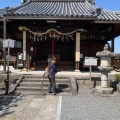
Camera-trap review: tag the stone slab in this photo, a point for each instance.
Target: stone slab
(29, 114)
(51, 99)
(101, 90)
(48, 109)
(47, 112)
(36, 103)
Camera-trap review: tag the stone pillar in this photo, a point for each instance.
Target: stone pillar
(77, 52)
(112, 45)
(24, 51)
(106, 65)
(104, 80)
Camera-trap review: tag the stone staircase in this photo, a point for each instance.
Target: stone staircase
(32, 85)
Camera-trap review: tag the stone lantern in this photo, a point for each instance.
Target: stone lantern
(104, 68)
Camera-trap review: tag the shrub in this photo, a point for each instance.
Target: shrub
(117, 77)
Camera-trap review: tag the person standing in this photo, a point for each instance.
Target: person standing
(51, 76)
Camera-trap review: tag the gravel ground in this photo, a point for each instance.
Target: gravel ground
(84, 106)
(87, 106)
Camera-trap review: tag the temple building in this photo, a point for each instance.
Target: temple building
(66, 29)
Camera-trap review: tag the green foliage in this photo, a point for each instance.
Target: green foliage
(117, 77)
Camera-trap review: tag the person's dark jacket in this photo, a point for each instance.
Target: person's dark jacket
(52, 69)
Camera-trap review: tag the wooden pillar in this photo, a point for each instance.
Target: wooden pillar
(24, 51)
(53, 44)
(4, 49)
(77, 52)
(112, 45)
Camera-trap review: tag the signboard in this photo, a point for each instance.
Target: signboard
(8, 43)
(89, 61)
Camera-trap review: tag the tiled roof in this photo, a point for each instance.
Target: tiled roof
(54, 9)
(62, 9)
(109, 15)
(91, 1)
(2, 11)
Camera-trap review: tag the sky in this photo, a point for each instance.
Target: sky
(106, 4)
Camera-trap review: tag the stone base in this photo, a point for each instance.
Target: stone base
(101, 90)
(24, 70)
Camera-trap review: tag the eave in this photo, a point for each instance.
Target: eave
(48, 18)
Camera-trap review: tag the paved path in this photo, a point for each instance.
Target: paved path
(33, 108)
(84, 106)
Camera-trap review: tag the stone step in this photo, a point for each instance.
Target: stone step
(41, 76)
(44, 77)
(39, 84)
(32, 84)
(28, 88)
(45, 80)
(40, 93)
